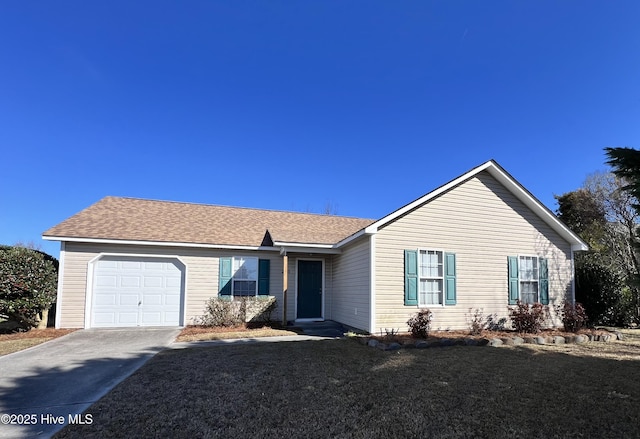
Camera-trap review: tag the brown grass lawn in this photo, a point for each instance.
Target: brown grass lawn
(18, 341)
(200, 333)
(340, 388)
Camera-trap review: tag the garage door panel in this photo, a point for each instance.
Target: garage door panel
(173, 282)
(130, 265)
(130, 281)
(152, 300)
(152, 318)
(153, 281)
(107, 264)
(128, 299)
(127, 318)
(104, 319)
(172, 300)
(106, 299)
(107, 281)
(136, 292)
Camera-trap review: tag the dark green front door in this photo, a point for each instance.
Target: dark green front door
(309, 290)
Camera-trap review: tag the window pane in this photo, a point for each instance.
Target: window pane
(244, 288)
(529, 292)
(431, 264)
(430, 292)
(528, 268)
(245, 268)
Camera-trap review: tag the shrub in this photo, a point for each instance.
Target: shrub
(420, 323)
(602, 291)
(574, 317)
(528, 318)
(28, 284)
(478, 322)
(222, 311)
(494, 323)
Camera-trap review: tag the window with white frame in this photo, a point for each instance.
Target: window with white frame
(529, 279)
(431, 277)
(245, 276)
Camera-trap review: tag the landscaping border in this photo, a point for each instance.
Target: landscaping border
(491, 341)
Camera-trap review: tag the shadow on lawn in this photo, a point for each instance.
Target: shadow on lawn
(339, 388)
(50, 397)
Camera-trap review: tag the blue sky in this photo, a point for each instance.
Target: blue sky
(296, 105)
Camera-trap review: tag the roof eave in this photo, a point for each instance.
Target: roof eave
(299, 247)
(157, 243)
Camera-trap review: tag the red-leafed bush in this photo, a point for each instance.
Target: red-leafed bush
(574, 317)
(528, 318)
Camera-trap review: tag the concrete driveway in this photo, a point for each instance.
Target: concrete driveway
(47, 387)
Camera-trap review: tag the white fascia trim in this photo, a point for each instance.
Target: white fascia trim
(324, 251)
(298, 244)
(307, 248)
(159, 244)
(355, 236)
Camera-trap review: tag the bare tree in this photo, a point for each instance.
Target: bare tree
(622, 220)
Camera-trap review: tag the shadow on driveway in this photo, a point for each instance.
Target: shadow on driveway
(44, 388)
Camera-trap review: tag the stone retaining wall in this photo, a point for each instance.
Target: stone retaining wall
(502, 341)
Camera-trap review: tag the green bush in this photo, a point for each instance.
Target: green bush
(420, 323)
(528, 318)
(602, 291)
(28, 284)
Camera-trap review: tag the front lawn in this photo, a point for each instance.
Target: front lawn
(202, 333)
(340, 388)
(18, 341)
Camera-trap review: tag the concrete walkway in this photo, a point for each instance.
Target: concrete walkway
(50, 385)
(327, 328)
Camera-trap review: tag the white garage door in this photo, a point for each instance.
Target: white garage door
(136, 292)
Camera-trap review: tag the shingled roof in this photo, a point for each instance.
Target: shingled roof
(132, 219)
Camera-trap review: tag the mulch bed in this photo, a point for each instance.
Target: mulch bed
(36, 333)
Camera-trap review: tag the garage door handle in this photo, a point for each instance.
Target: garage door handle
(140, 303)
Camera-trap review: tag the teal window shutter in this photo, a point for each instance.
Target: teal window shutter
(543, 277)
(263, 277)
(410, 277)
(514, 282)
(450, 278)
(224, 278)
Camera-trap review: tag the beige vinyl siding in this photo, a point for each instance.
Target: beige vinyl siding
(482, 223)
(201, 277)
(350, 303)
